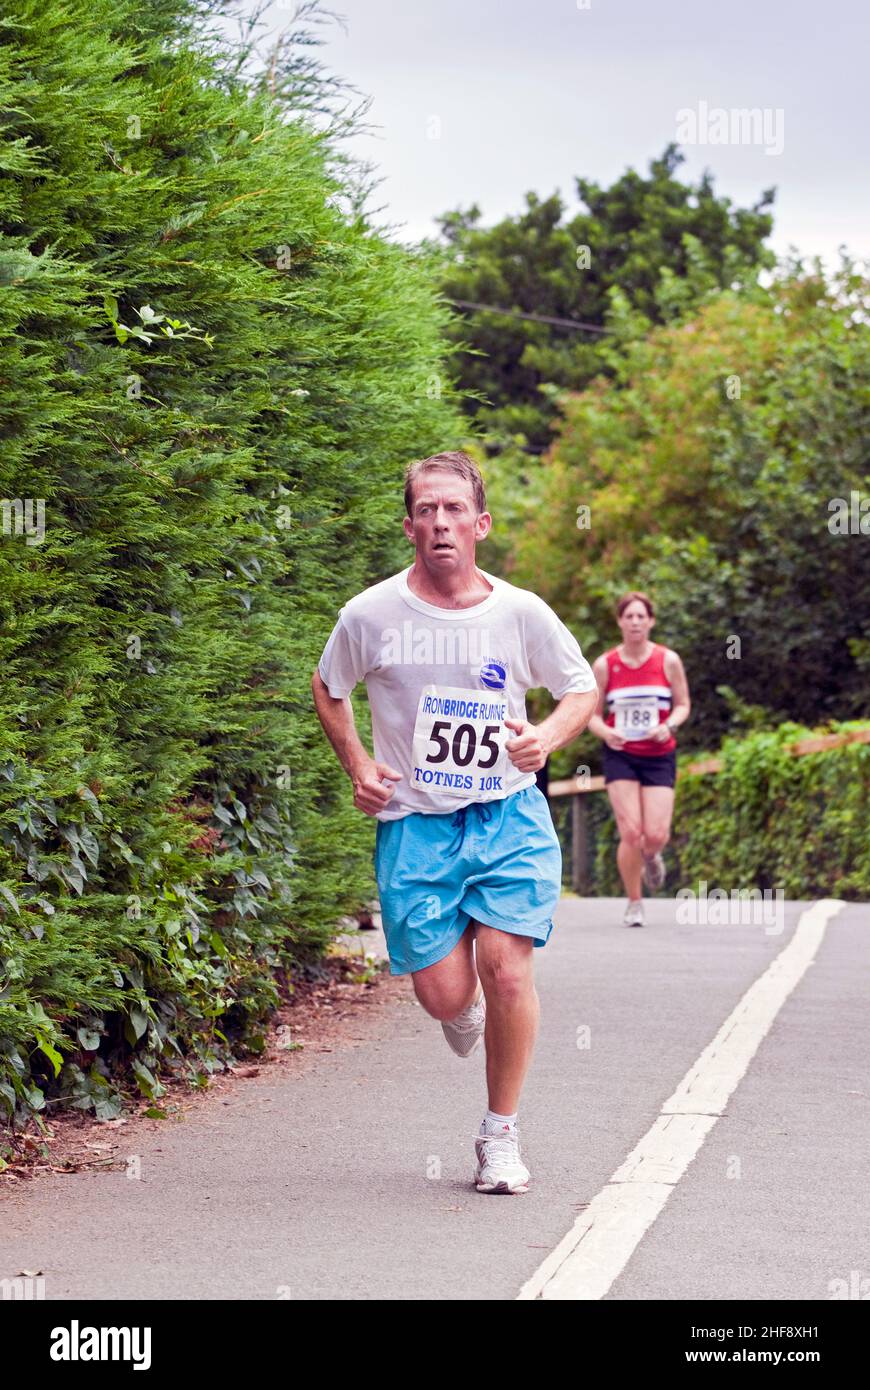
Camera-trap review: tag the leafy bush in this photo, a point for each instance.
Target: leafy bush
(212, 377)
(767, 820)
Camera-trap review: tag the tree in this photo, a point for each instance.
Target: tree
(654, 245)
(710, 467)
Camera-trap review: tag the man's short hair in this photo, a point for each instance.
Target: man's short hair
(453, 461)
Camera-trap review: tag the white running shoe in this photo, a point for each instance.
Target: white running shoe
(634, 914)
(499, 1168)
(653, 871)
(465, 1031)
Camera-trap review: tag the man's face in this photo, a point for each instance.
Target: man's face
(445, 525)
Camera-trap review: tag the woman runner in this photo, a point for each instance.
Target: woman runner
(644, 689)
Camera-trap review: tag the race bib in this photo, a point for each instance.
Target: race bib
(459, 742)
(635, 718)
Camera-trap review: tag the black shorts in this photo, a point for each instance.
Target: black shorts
(651, 770)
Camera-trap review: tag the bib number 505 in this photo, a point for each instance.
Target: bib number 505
(464, 744)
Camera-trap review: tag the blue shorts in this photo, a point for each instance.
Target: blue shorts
(496, 862)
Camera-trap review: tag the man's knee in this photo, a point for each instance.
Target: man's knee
(447, 987)
(442, 1006)
(504, 963)
(442, 1000)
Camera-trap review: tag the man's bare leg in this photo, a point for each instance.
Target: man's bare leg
(506, 970)
(450, 985)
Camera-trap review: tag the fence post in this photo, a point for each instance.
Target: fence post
(579, 845)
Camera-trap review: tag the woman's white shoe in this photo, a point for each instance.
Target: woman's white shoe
(653, 871)
(633, 915)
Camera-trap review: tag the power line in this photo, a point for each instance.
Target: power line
(537, 318)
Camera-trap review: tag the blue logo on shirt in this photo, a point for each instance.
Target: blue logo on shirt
(493, 676)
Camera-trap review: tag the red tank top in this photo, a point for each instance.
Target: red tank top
(637, 698)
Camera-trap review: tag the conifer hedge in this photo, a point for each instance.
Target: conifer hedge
(211, 377)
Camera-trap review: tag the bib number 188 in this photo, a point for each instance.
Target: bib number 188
(635, 718)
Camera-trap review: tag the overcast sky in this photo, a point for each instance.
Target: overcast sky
(482, 100)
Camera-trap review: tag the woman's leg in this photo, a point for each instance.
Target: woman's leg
(657, 809)
(624, 797)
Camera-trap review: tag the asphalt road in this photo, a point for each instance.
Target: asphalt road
(351, 1179)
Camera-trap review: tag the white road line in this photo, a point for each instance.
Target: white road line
(603, 1239)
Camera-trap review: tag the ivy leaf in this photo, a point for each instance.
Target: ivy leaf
(135, 1024)
(219, 945)
(35, 1097)
(71, 834)
(107, 1107)
(72, 879)
(10, 898)
(90, 844)
(51, 1053)
(38, 869)
(150, 1087)
(87, 795)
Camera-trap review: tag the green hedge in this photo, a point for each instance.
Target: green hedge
(767, 820)
(212, 377)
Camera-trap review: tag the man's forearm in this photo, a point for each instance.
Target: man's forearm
(336, 716)
(568, 719)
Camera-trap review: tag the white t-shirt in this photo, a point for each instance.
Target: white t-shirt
(441, 681)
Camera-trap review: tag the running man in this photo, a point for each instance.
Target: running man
(468, 865)
(645, 690)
